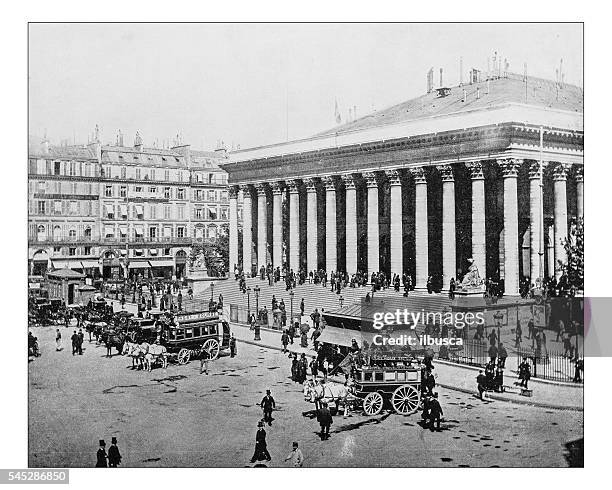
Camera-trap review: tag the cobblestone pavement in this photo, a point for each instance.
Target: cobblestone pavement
(179, 418)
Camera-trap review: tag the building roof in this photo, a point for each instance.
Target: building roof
(509, 89)
(72, 152)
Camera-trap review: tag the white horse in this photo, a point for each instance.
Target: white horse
(154, 354)
(136, 352)
(320, 392)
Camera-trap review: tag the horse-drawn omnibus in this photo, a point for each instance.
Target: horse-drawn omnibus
(187, 334)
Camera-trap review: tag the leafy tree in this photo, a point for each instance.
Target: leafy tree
(573, 268)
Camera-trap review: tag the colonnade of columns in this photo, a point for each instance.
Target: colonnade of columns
(270, 249)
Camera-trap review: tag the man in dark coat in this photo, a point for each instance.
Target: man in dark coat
(114, 456)
(435, 411)
(325, 420)
(267, 404)
(101, 455)
(232, 346)
(284, 341)
(481, 379)
(80, 342)
(261, 447)
(75, 342)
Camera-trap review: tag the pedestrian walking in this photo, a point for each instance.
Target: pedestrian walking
(101, 455)
(75, 342)
(284, 341)
(325, 420)
(204, 357)
(481, 380)
(80, 342)
(232, 346)
(435, 412)
(302, 307)
(261, 447)
(267, 405)
(503, 355)
(524, 373)
(114, 456)
(295, 456)
(58, 340)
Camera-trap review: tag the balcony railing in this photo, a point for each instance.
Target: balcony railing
(146, 239)
(82, 239)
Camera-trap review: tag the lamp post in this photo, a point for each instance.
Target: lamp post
(248, 290)
(291, 295)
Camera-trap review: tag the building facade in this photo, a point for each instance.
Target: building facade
(491, 171)
(123, 211)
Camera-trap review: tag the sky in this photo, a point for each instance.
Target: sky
(259, 84)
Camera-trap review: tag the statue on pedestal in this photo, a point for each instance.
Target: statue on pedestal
(472, 279)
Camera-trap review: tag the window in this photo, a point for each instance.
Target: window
(41, 207)
(198, 195)
(152, 173)
(180, 193)
(87, 232)
(40, 232)
(224, 213)
(180, 232)
(123, 172)
(180, 176)
(212, 213)
(107, 172)
(87, 170)
(87, 208)
(109, 231)
(58, 187)
(167, 192)
(137, 189)
(166, 212)
(89, 189)
(153, 211)
(72, 169)
(72, 251)
(110, 211)
(73, 207)
(57, 232)
(123, 191)
(152, 232)
(211, 196)
(75, 188)
(57, 250)
(138, 173)
(166, 251)
(224, 196)
(108, 191)
(152, 190)
(138, 232)
(72, 234)
(212, 232)
(42, 187)
(181, 212)
(166, 172)
(57, 207)
(87, 251)
(198, 213)
(56, 168)
(139, 211)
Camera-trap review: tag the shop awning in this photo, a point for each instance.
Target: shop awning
(139, 265)
(109, 209)
(339, 336)
(139, 209)
(70, 264)
(162, 263)
(153, 251)
(88, 264)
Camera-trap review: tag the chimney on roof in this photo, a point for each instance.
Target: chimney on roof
(119, 138)
(138, 141)
(430, 80)
(460, 71)
(441, 84)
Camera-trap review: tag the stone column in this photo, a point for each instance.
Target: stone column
(262, 226)
(421, 233)
(312, 239)
(449, 240)
(396, 228)
(294, 225)
(351, 223)
(247, 229)
(560, 189)
(479, 247)
(579, 175)
(233, 228)
(535, 217)
(331, 238)
(510, 168)
(373, 240)
(277, 225)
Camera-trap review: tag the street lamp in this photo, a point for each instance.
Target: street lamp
(248, 290)
(291, 295)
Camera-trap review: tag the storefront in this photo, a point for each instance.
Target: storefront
(162, 268)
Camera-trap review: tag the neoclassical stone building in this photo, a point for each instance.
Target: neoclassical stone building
(421, 187)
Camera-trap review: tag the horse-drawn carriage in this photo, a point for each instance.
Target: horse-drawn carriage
(379, 381)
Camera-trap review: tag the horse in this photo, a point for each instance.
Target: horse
(154, 354)
(319, 392)
(114, 339)
(137, 352)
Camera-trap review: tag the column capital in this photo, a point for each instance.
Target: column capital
(446, 172)
(510, 166)
(476, 170)
(349, 180)
(293, 185)
(534, 169)
(578, 172)
(277, 187)
(394, 176)
(560, 171)
(329, 182)
(233, 191)
(261, 189)
(418, 174)
(370, 179)
(311, 184)
(246, 189)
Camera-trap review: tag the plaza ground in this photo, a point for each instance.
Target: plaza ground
(179, 418)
